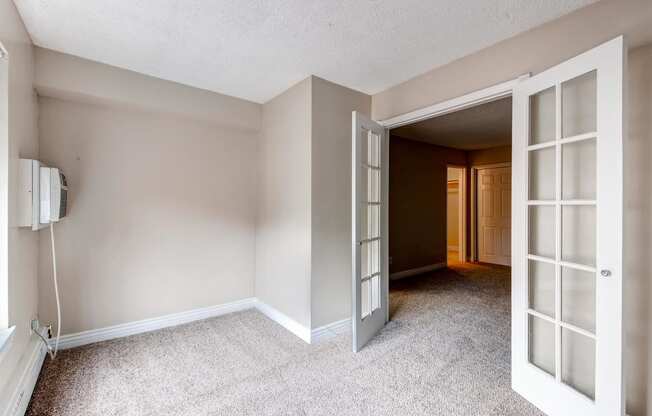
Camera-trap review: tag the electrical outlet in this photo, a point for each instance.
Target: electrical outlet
(390, 260)
(35, 325)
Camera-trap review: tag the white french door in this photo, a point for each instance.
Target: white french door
(370, 272)
(567, 289)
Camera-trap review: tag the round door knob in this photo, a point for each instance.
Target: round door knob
(605, 273)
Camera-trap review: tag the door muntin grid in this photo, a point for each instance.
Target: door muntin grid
(370, 216)
(561, 232)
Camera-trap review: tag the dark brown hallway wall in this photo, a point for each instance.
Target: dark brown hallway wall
(417, 202)
(417, 199)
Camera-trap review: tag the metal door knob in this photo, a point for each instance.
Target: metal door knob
(605, 273)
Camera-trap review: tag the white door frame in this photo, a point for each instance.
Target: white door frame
(462, 208)
(472, 99)
(474, 203)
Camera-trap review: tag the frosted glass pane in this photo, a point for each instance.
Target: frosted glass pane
(541, 287)
(364, 146)
(541, 231)
(373, 185)
(542, 116)
(375, 293)
(578, 234)
(579, 105)
(578, 362)
(375, 256)
(541, 344)
(578, 170)
(364, 183)
(365, 266)
(578, 298)
(371, 224)
(542, 174)
(365, 298)
(370, 258)
(373, 152)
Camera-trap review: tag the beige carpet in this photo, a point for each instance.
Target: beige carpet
(445, 352)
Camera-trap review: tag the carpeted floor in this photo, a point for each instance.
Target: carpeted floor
(445, 351)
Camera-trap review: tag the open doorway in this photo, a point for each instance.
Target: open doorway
(455, 214)
(449, 239)
(450, 190)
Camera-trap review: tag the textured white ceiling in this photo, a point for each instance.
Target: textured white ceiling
(480, 127)
(255, 49)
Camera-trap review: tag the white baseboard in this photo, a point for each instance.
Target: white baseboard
(413, 272)
(18, 399)
(330, 331)
(146, 325)
(285, 321)
(453, 248)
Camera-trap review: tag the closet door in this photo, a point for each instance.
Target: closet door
(495, 215)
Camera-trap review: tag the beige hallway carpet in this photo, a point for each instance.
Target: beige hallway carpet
(446, 351)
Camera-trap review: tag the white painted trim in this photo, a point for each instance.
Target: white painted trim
(6, 335)
(330, 331)
(493, 166)
(27, 377)
(453, 248)
(4, 189)
(417, 270)
(146, 325)
(485, 95)
(285, 321)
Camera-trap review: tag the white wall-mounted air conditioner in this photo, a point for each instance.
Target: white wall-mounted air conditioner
(42, 194)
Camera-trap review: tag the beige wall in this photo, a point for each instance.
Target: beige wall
(20, 267)
(489, 156)
(161, 214)
(417, 202)
(76, 79)
(532, 52)
(283, 202)
(331, 198)
(162, 198)
(303, 245)
(413, 163)
(638, 233)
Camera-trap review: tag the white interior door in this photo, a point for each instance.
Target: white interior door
(567, 289)
(370, 269)
(495, 215)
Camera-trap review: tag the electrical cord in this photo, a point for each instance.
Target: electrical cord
(53, 353)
